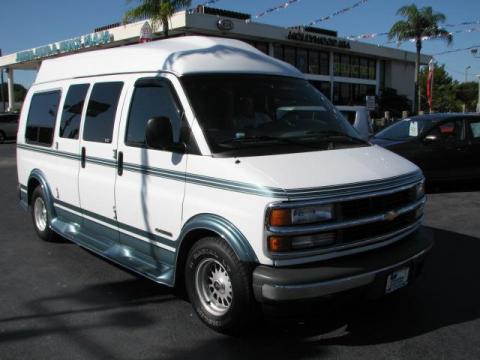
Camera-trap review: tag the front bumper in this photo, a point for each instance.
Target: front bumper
(311, 281)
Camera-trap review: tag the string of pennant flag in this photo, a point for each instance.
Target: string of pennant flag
(338, 12)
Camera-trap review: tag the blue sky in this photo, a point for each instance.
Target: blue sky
(30, 23)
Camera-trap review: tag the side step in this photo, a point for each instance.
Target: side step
(122, 255)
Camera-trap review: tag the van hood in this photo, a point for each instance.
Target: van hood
(314, 170)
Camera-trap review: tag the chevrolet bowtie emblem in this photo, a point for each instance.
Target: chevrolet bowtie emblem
(391, 215)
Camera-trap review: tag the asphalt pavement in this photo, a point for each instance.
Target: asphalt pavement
(58, 301)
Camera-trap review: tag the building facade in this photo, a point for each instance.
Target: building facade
(345, 71)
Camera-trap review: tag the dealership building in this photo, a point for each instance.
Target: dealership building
(345, 71)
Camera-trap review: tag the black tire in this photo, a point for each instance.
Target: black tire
(242, 309)
(2, 137)
(45, 233)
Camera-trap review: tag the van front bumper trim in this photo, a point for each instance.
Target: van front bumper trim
(273, 284)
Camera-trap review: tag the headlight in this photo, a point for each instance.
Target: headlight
(420, 189)
(301, 215)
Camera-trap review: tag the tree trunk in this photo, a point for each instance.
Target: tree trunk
(165, 26)
(418, 99)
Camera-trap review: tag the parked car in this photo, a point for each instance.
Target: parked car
(8, 126)
(202, 162)
(444, 146)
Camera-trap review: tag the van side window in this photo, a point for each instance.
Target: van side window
(153, 98)
(41, 118)
(101, 111)
(72, 111)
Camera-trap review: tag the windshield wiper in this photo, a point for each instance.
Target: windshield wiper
(261, 138)
(333, 133)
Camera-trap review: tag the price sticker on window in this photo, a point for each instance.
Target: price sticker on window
(413, 130)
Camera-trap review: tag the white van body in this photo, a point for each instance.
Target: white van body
(146, 208)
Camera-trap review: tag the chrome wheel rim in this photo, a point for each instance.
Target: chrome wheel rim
(213, 287)
(40, 214)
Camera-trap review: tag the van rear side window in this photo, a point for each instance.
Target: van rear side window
(101, 111)
(72, 111)
(41, 118)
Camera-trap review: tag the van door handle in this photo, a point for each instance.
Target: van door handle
(83, 157)
(120, 163)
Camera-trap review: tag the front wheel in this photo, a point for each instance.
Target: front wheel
(219, 286)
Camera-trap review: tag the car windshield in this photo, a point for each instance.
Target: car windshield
(404, 129)
(258, 115)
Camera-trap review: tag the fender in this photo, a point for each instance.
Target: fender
(41, 178)
(224, 228)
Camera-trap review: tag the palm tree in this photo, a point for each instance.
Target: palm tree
(418, 23)
(159, 11)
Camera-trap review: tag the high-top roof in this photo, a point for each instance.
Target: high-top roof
(180, 55)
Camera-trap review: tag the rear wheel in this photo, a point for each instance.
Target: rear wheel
(40, 215)
(219, 286)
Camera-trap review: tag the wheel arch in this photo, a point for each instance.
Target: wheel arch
(38, 178)
(204, 225)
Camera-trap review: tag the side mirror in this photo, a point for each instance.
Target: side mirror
(430, 138)
(159, 135)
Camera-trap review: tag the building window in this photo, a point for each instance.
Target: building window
(324, 63)
(289, 55)
(354, 67)
(72, 111)
(351, 94)
(278, 51)
(313, 62)
(302, 60)
(42, 117)
(322, 86)
(101, 111)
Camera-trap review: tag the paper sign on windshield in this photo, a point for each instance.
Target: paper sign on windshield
(413, 130)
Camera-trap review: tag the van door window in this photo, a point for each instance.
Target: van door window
(153, 98)
(41, 118)
(72, 111)
(101, 111)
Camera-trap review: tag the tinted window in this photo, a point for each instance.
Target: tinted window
(152, 98)
(475, 128)
(101, 110)
(72, 111)
(41, 118)
(451, 130)
(275, 113)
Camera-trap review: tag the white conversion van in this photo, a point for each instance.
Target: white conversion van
(204, 163)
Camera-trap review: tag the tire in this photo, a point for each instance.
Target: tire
(40, 215)
(2, 137)
(225, 303)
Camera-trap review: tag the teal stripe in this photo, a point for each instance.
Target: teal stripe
(234, 186)
(134, 230)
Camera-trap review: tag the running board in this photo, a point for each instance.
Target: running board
(122, 255)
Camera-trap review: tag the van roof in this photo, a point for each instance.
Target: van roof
(180, 55)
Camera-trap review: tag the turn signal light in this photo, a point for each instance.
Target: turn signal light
(280, 217)
(279, 244)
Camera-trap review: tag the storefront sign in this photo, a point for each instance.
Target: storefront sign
(66, 46)
(315, 39)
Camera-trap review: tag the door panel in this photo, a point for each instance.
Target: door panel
(98, 168)
(149, 191)
(473, 133)
(67, 145)
(444, 157)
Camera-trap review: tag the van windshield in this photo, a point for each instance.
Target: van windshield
(248, 115)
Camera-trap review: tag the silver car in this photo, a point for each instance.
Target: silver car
(8, 126)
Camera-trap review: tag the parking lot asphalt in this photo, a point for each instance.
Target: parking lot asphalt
(58, 301)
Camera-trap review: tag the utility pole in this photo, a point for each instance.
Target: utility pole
(1, 85)
(466, 79)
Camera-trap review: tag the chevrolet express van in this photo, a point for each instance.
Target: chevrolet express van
(201, 162)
